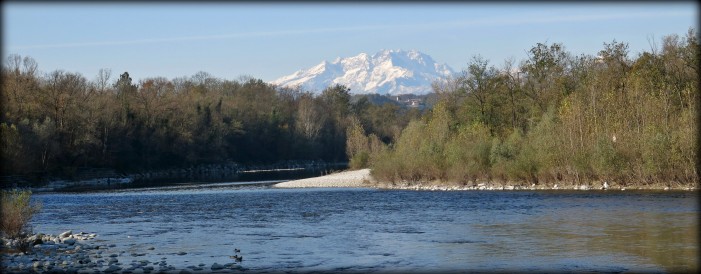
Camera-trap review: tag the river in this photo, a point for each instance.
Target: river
(370, 230)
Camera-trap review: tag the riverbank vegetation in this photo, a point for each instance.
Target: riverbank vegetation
(551, 117)
(556, 117)
(17, 211)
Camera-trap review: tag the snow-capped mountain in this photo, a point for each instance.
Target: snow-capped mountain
(386, 72)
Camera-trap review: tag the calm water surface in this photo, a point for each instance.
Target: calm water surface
(371, 230)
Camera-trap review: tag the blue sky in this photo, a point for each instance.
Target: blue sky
(267, 41)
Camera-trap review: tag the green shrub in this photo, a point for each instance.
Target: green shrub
(503, 155)
(545, 147)
(526, 165)
(360, 160)
(17, 211)
(607, 159)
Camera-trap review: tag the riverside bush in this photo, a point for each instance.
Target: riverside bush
(17, 211)
(560, 118)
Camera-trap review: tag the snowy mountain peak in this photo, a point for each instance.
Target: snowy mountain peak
(385, 72)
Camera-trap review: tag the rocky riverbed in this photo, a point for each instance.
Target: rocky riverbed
(596, 185)
(363, 178)
(83, 252)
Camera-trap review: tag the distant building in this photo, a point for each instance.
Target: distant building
(411, 102)
(415, 103)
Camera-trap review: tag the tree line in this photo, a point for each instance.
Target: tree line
(554, 117)
(57, 123)
(551, 117)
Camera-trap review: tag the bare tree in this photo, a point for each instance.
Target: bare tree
(512, 84)
(103, 78)
(309, 119)
(478, 81)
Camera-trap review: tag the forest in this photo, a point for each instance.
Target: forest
(58, 123)
(554, 116)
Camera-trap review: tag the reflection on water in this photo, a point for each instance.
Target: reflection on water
(375, 231)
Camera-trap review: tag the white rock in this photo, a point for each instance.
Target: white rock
(65, 234)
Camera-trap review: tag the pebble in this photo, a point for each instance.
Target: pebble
(72, 253)
(113, 268)
(216, 266)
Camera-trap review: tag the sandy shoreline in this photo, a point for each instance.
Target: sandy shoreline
(362, 178)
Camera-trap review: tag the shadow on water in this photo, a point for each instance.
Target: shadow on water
(255, 177)
(653, 236)
(616, 228)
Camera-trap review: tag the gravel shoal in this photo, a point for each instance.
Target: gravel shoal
(352, 178)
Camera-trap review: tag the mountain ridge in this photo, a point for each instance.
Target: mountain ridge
(388, 72)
